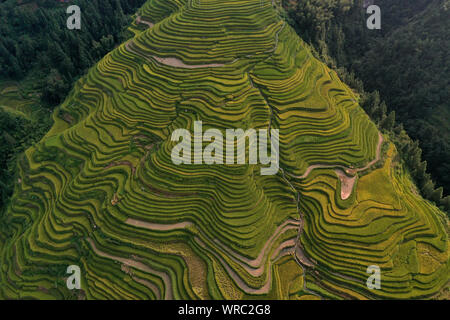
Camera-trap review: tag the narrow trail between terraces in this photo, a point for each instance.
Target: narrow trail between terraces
(346, 190)
(254, 267)
(322, 166)
(168, 295)
(342, 172)
(139, 20)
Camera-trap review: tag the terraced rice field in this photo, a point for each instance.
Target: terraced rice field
(100, 190)
(12, 99)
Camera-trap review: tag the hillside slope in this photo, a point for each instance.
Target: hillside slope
(101, 191)
(406, 61)
(410, 66)
(40, 60)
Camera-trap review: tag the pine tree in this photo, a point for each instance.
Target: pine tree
(446, 203)
(375, 103)
(15, 70)
(427, 189)
(436, 195)
(389, 121)
(381, 112)
(421, 172)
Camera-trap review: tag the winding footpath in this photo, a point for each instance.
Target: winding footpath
(341, 171)
(168, 295)
(255, 267)
(139, 20)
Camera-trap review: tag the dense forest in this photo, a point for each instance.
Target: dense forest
(38, 50)
(401, 72)
(34, 38)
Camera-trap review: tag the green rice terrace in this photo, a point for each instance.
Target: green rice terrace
(100, 190)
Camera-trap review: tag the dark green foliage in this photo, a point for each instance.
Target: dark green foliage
(409, 65)
(55, 87)
(446, 203)
(42, 44)
(436, 195)
(16, 135)
(427, 189)
(421, 172)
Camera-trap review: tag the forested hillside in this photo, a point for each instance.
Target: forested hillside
(401, 71)
(410, 66)
(40, 59)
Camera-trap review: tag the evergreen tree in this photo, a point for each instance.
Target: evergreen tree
(421, 172)
(389, 121)
(446, 203)
(436, 195)
(427, 189)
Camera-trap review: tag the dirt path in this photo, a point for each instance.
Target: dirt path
(378, 156)
(139, 21)
(347, 182)
(152, 286)
(285, 248)
(141, 266)
(300, 255)
(344, 169)
(173, 62)
(346, 189)
(236, 278)
(157, 226)
(255, 267)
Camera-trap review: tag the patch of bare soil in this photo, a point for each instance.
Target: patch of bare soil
(346, 184)
(139, 20)
(157, 226)
(173, 62)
